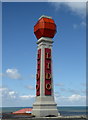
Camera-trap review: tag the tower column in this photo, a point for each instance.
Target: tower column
(44, 104)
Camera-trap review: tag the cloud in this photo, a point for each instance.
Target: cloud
(73, 100)
(59, 84)
(76, 6)
(11, 98)
(6, 93)
(30, 87)
(12, 94)
(73, 5)
(2, 89)
(13, 74)
(74, 91)
(57, 94)
(80, 25)
(69, 90)
(27, 96)
(76, 97)
(63, 89)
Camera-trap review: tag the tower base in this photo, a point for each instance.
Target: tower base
(45, 106)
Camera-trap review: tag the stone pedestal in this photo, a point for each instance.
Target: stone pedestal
(45, 106)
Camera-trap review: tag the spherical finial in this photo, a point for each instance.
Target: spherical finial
(45, 27)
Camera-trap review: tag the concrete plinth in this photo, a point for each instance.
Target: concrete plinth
(45, 106)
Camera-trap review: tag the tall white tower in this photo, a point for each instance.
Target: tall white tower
(44, 105)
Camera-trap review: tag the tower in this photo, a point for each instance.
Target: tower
(44, 105)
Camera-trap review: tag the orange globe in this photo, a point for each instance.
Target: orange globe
(45, 27)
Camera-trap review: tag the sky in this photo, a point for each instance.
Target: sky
(19, 51)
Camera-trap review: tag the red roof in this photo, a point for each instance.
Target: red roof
(25, 110)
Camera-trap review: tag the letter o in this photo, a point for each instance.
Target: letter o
(48, 86)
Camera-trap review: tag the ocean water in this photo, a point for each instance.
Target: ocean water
(72, 110)
(64, 111)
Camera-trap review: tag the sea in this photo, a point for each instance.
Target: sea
(64, 111)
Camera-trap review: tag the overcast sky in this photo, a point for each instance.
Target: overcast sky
(19, 50)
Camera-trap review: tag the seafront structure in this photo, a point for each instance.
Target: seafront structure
(44, 105)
